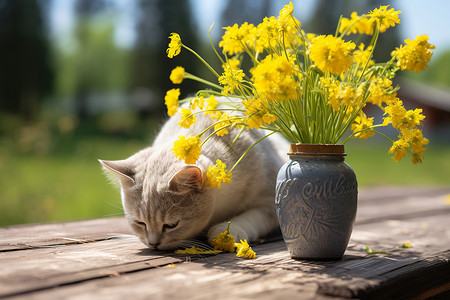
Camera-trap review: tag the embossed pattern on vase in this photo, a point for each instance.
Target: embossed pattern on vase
(316, 206)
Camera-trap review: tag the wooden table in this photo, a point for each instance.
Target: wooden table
(98, 259)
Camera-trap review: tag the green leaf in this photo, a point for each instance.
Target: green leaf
(370, 251)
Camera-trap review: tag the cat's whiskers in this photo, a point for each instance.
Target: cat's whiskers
(197, 243)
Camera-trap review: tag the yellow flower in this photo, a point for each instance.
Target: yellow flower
(244, 250)
(361, 56)
(211, 105)
(224, 241)
(287, 24)
(187, 148)
(273, 32)
(386, 18)
(217, 174)
(269, 118)
(400, 117)
(224, 120)
(331, 54)
(235, 38)
(398, 149)
(395, 111)
(409, 138)
(187, 118)
(415, 55)
(381, 91)
(257, 113)
(177, 75)
(274, 79)
(360, 25)
(198, 102)
(362, 126)
(171, 101)
(417, 141)
(232, 76)
(267, 34)
(406, 245)
(287, 11)
(174, 45)
(197, 250)
(340, 94)
(413, 118)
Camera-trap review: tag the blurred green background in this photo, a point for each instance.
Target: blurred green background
(85, 79)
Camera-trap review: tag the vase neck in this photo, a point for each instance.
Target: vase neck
(316, 150)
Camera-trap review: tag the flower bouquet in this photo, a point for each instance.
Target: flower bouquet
(311, 89)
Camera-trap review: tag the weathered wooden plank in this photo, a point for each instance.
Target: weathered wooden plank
(381, 194)
(41, 268)
(226, 276)
(19, 237)
(358, 274)
(216, 277)
(123, 267)
(379, 204)
(390, 276)
(402, 280)
(375, 204)
(428, 235)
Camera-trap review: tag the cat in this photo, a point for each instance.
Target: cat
(168, 203)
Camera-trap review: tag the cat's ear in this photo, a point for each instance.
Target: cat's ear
(188, 179)
(121, 169)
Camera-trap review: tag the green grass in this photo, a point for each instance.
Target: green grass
(66, 182)
(374, 166)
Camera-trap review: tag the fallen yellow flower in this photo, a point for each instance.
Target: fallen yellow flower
(447, 199)
(406, 245)
(244, 250)
(196, 250)
(224, 241)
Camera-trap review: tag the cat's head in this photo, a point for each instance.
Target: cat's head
(166, 203)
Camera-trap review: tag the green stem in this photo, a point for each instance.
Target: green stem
(254, 144)
(215, 131)
(373, 43)
(228, 228)
(236, 138)
(212, 44)
(202, 60)
(193, 77)
(371, 129)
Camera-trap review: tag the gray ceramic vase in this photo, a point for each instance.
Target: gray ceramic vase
(316, 199)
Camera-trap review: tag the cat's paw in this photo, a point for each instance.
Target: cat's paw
(237, 231)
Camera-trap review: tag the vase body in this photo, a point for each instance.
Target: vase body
(316, 199)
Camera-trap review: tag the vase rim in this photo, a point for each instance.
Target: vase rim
(316, 149)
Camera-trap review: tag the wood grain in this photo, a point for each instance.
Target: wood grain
(97, 259)
(19, 237)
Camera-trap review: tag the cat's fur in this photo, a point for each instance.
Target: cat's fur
(168, 203)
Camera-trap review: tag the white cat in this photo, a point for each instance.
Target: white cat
(167, 203)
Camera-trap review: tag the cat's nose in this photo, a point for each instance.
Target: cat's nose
(155, 245)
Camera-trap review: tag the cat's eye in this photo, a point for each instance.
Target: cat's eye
(140, 224)
(170, 226)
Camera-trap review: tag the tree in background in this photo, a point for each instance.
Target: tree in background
(98, 64)
(26, 74)
(89, 61)
(239, 11)
(151, 68)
